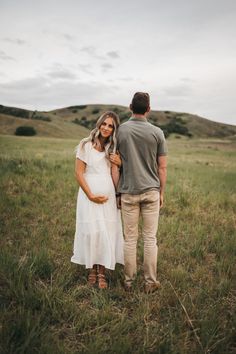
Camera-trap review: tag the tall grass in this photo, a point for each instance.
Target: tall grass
(46, 306)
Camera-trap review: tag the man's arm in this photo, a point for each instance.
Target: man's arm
(162, 172)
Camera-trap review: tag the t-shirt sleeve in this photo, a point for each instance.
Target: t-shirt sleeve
(82, 152)
(162, 146)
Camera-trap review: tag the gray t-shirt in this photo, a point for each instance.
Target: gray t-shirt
(140, 144)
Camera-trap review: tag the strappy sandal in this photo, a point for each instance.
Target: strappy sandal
(102, 283)
(92, 277)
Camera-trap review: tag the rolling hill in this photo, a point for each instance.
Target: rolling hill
(75, 121)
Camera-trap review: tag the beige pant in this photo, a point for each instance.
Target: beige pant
(147, 205)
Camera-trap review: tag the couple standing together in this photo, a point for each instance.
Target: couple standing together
(120, 165)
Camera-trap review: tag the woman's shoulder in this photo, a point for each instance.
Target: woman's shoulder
(83, 150)
(88, 146)
(84, 144)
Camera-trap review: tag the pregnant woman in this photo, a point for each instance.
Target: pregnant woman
(98, 242)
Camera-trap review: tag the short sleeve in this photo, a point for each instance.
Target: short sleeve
(81, 152)
(162, 146)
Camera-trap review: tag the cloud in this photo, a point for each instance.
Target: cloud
(44, 94)
(57, 71)
(59, 35)
(4, 56)
(18, 86)
(106, 66)
(113, 54)
(86, 68)
(181, 90)
(128, 78)
(187, 79)
(17, 41)
(62, 74)
(68, 37)
(91, 51)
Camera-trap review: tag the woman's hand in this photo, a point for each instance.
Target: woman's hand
(115, 159)
(98, 199)
(118, 201)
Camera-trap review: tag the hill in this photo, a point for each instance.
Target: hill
(74, 121)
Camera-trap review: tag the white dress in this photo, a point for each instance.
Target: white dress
(98, 235)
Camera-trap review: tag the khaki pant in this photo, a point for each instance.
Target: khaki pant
(147, 205)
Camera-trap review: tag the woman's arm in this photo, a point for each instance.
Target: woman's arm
(115, 159)
(115, 164)
(115, 174)
(80, 167)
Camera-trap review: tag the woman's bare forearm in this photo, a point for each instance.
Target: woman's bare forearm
(115, 174)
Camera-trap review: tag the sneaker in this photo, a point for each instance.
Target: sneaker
(152, 287)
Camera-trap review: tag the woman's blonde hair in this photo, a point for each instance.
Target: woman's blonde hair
(110, 146)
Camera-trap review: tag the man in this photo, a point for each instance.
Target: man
(143, 152)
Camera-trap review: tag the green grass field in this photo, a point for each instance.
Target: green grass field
(46, 306)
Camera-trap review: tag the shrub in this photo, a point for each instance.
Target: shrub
(124, 116)
(90, 124)
(37, 116)
(83, 121)
(152, 118)
(95, 110)
(180, 119)
(25, 131)
(77, 107)
(44, 118)
(76, 121)
(165, 131)
(117, 110)
(175, 126)
(16, 112)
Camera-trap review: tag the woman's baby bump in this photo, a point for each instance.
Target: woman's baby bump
(100, 184)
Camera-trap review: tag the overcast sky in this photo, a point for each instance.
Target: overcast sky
(58, 53)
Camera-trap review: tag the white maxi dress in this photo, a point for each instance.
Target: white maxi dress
(98, 235)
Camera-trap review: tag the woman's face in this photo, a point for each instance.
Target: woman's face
(106, 128)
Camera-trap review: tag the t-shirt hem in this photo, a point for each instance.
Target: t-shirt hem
(135, 191)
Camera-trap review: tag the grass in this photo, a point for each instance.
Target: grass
(46, 306)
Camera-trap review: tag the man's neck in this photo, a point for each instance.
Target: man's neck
(139, 116)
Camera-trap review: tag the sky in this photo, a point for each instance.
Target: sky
(59, 53)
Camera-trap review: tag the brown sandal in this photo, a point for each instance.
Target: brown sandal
(92, 277)
(102, 283)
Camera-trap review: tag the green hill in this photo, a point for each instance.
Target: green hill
(75, 121)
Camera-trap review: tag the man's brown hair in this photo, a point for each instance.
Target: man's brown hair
(140, 103)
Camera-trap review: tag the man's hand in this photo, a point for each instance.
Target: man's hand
(98, 199)
(118, 201)
(161, 200)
